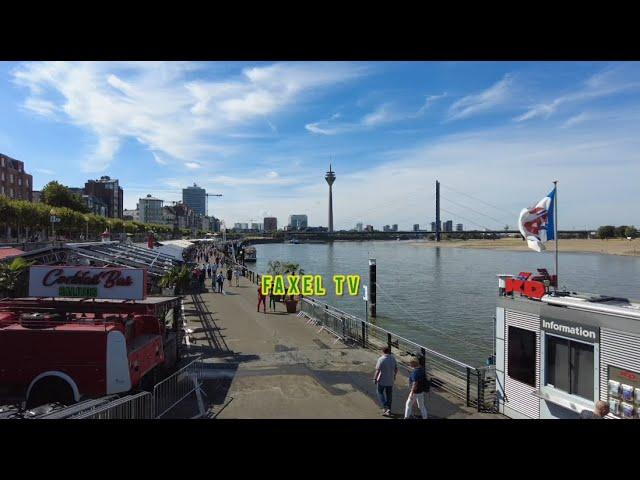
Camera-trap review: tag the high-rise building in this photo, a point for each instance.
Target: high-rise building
(394, 227)
(150, 209)
(297, 222)
(368, 228)
(433, 226)
(330, 177)
(256, 226)
(416, 227)
(110, 192)
(359, 227)
(270, 224)
(459, 227)
(15, 183)
(386, 228)
(448, 226)
(195, 198)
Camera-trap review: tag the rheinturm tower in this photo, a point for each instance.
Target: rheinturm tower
(330, 177)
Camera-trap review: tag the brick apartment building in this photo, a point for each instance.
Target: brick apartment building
(15, 183)
(110, 192)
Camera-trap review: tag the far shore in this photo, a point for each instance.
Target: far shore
(606, 247)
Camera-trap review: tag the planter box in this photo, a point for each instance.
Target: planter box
(292, 306)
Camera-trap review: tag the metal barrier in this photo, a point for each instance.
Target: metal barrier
(175, 388)
(133, 407)
(471, 384)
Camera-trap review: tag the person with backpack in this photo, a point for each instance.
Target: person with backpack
(418, 386)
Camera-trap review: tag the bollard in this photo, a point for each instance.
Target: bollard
(372, 286)
(389, 340)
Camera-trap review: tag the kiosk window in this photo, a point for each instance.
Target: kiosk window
(522, 355)
(570, 366)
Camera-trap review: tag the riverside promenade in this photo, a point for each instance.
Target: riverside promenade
(275, 366)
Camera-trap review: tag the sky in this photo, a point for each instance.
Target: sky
(495, 134)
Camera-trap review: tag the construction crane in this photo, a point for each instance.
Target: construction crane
(210, 195)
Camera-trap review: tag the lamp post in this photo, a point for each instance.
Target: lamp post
(53, 224)
(86, 236)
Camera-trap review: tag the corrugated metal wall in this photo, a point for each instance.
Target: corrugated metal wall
(518, 394)
(619, 349)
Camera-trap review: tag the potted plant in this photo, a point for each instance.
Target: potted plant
(178, 278)
(14, 277)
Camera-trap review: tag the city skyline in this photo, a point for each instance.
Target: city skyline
(498, 131)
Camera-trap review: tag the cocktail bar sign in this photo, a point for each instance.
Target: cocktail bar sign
(85, 282)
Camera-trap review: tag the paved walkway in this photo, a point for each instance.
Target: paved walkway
(274, 365)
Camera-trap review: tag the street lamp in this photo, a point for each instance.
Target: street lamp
(86, 238)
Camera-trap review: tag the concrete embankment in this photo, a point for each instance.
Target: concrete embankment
(275, 365)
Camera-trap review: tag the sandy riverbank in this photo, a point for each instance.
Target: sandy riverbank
(607, 247)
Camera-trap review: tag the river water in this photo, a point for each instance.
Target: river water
(444, 298)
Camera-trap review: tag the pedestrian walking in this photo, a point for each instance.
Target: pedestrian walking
(418, 387)
(220, 282)
(386, 371)
(262, 300)
(272, 300)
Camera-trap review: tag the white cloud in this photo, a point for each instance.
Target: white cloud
(378, 117)
(41, 107)
(316, 128)
(577, 119)
(163, 107)
(610, 81)
(429, 101)
(44, 171)
(496, 95)
(192, 165)
(159, 160)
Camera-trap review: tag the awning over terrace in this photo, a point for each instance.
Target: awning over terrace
(123, 254)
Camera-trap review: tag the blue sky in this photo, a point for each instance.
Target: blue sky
(496, 134)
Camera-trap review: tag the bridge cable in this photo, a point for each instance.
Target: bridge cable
(483, 348)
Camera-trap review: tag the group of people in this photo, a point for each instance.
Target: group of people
(385, 376)
(213, 265)
(262, 300)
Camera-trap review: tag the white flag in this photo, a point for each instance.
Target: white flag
(537, 223)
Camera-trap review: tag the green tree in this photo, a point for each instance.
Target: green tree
(620, 230)
(606, 231)
(58, 195)
(631, 231)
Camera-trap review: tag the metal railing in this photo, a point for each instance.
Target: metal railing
(178, 386)
(475, 386)
(131, 407)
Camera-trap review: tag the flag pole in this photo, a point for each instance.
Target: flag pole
(555, 227)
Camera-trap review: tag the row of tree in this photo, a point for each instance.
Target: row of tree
(23, 219)
(623, 231)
